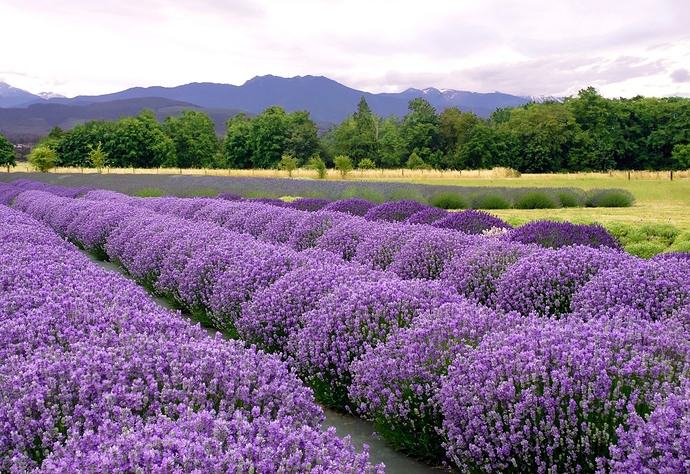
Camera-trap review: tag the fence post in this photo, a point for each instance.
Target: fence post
(671, 175)
(628, 175)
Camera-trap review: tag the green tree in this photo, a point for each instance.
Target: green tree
(392, 146)
(268, 137)
(139, 142)
(75, 146)
(420, 129)
(681, 156)
(455, 128)
(193, 134)
(6, 153)
(98, 157)
(415, 162)
(365, 139)
(301, 137)
(366, 164)
(343, 164)
(238, 143)
(316, 163)
(288, 163)
(43, 158)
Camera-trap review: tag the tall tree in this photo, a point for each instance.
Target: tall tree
(392, 146)
(268, 137)
(420, 130)
(301, 139)
(195, 139)
(238, 142)
(455, 128)
(75, 146)
(139, 142)
(6, 152)
(365, 143)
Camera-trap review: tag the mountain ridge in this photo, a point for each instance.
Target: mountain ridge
(328, 101)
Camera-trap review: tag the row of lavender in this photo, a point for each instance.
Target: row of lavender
(550, 234)
(402, 351)
(97, 378)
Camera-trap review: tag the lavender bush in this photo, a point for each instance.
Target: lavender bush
(352, 206)
(394, 211)
(550, 395)
(396, 383)
(544, 281)
(427, 216)
(471, 222)
(560, 234)
(335, 333)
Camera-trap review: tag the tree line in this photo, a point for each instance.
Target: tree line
(583, 133)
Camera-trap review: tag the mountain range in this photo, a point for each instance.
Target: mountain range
(328, 102)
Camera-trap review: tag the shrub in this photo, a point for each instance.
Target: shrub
(288, 163)
(352, 206)
(352, 318)
(570, 197)
(396, 384)
(449, 201)
(343, 164)
(427, 216)
(551, 395)
(471, 222)
(366, 164)
(609, 198)
(229, 197)
(150, 192)
(536, 199)
(309, 204)
(544, 281)
(665, 233)
(415, 162)
(43, 158)
(204, 192)
(363, 192)
(560, 234)
(645, 249)
(653, 289)
(394, 211)
(490, 200)
(405, 193)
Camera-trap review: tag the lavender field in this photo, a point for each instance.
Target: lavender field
(468, 343)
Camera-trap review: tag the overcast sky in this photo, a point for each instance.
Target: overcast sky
(555, 47)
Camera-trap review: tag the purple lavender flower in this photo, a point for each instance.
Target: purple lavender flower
(427, 216)
(349, 318)
(550, 395)
(544, 281)
(654, 289)
(352, 206)
(560, 234)
(308, 204)
(394, 211)
(471, 222)
(396, 383)
(477, 269)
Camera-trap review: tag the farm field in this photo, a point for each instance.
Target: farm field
(464, 340)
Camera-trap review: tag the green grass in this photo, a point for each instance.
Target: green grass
(150, 192)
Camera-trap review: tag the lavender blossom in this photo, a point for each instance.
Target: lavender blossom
(560, 234)
(352, 206)
(471, 222)
(394, 211)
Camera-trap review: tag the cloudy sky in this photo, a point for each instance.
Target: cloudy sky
(555, 47)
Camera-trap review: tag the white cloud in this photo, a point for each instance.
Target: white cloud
(532, 47)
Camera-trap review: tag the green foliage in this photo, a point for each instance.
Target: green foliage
(415, 162)
(406, 194)
(363, 192)
(490, 201)
(97, 157)
(301, 137)
(681, 245)
(6, 152)
(664, 233)
(449, 201)
(681, 156)
(645, 249)
(288, 163)
(366, 164)
(343, 164)
(569, 198)
(150, 192)
(536, 199)
(43, 158)
(609, 198)
(260, 193)
(194, 137)
(139, 142)
(316, 163)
